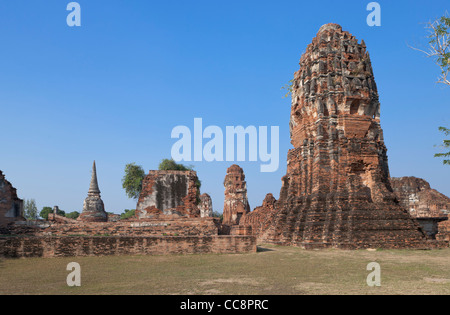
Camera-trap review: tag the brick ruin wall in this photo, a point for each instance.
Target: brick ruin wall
(11, 207)
(261, 217)
(169, 193)
(416, 195)
(428, 206)
(47, 247)
(60, 226)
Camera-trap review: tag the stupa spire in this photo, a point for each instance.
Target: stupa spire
(93, 207)
(93, 188)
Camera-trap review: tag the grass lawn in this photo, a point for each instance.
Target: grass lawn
(272, 270)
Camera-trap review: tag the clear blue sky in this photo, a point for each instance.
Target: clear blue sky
(113, 89)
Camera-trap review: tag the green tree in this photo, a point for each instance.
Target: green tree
(171, 165)
(127, 214)
(446, 146)
(30, 209)
(132, 180)
(73, 215)
(289, 87)
(47, 210)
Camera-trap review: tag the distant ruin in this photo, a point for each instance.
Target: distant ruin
(171, 218)
(93, 207)
(428, 206)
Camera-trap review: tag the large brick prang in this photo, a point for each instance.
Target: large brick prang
(336, 192)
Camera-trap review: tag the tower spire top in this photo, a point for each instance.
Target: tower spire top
(93, 188)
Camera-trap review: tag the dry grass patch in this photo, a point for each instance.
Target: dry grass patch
(272, 270)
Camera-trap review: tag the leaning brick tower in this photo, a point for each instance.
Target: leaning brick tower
(337, 191)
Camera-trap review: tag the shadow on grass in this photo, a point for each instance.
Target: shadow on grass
(263, 249)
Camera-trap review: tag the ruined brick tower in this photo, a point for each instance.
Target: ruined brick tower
(93, 208)
(236, 202)
(11, 207)
(336, 192)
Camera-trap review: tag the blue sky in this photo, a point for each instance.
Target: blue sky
(113, 89)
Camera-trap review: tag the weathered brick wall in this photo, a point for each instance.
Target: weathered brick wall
(144, 227)
(444, 231)
(23, 247)
(261, 217)
(416, 195)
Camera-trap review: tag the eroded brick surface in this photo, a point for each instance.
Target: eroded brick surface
(25, 247)
(172, 193)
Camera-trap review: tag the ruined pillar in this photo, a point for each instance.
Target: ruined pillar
(205, 206)
(236, 202)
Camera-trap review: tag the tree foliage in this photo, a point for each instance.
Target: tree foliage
(446, 146)
(171, 165)
(132, 180)
(127, 214)
(30, 209)
(73, 215)
(289, 88)
(47, 210)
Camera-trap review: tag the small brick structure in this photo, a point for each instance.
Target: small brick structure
(173, 193)
(11, 207)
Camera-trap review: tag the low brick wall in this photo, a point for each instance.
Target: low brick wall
(60, 246)
(149, 227)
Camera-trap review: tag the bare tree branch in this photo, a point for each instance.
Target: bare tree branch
(439, 46)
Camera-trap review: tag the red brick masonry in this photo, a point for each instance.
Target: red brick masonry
(24, 247)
